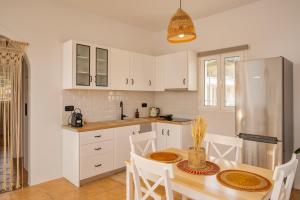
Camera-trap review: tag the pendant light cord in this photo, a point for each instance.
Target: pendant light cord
(180, 4)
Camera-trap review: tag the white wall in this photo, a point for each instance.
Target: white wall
(45, 25)
(270, 27)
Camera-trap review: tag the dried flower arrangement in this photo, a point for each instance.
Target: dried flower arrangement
(198, 132)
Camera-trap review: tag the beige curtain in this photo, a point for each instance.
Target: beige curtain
(11, 113)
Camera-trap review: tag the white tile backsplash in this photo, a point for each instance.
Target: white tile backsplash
(98, 105)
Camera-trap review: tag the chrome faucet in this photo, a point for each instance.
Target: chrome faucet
(122, 110)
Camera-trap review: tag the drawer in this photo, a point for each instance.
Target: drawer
(97, 148)
(95, 165)
(96, 136)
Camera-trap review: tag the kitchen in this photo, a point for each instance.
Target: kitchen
(128, 43)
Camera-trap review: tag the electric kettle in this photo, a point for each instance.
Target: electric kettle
(154, 112)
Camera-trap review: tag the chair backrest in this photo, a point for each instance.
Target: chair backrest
(146, 139)
(283, 177)
(235, 143)
(144, 169)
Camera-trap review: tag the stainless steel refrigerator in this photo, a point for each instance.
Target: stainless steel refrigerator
(264, 110)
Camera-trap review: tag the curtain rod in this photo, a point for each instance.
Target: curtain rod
(224, 50)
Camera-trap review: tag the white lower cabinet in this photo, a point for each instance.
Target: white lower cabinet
(161, 137)
(173, 136)
(122, 145)
(88, 154)
(96, 164)
(96, 158)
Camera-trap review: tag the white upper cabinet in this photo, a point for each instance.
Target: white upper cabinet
(132, 71)
(160, 63)
(89, 66)
(179, 70)
(120, 69)
(142, 72)
(85, 66)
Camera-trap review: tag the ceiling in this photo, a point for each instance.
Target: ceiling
(154, 15)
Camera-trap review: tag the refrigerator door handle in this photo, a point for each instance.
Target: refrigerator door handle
(259, 138)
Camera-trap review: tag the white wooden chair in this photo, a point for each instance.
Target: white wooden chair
(235, 143)
(283, 177)
(140, 144)
(147, 139)
(143, 169)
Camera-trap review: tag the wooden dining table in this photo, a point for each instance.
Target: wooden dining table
(207, 187)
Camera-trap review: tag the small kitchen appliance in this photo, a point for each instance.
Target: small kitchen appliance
(76, 118)
(154, 112)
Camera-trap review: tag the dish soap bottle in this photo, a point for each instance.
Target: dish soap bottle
(137, 114)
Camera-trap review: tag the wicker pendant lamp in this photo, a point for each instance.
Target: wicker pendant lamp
(181, 27)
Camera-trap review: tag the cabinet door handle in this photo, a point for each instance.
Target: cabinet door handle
(98, 149)
(91, 78)
(133, 133)
(163, 131)
(99, 165)
(168, 132)
(150, 83)
(98, 136)
(183, 81)
(132, 81)
(126, 81)
(96, 79)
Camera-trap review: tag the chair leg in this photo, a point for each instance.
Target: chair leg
(128, 184)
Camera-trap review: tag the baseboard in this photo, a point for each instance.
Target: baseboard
(107, 174)
(297, 187)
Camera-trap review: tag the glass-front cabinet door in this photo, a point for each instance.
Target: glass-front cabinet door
(83, 65)
(101, 67)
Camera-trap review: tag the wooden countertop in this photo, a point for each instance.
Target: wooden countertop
(92, 126)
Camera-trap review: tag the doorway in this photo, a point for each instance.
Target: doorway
(14, 116)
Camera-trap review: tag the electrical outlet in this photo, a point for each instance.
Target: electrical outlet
(144, 105)
(69, 108)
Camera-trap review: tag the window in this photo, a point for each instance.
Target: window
(218, 81)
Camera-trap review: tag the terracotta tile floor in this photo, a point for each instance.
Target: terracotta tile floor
(295, 195)
(111, 188)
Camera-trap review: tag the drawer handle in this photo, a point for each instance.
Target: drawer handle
(98, 149)
(98, 136)
(168, 132)
(98, 165)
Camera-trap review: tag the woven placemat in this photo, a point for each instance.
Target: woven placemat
(244, 181)
(163, 156)
(210, 169)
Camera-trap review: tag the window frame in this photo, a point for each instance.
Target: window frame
(202, 82)
(220, 83)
